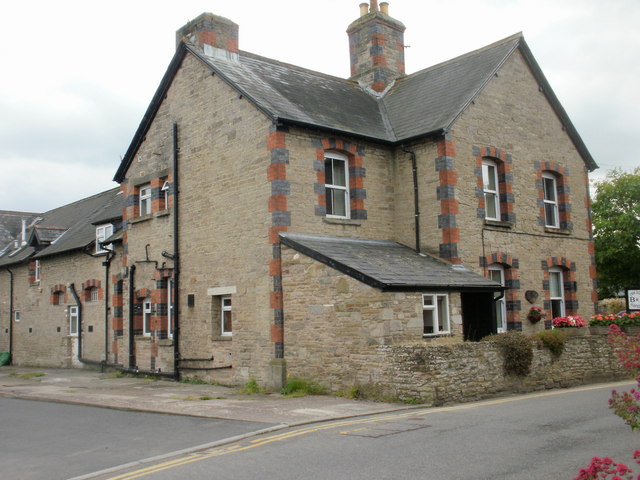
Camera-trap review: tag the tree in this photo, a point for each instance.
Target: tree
(616, 222)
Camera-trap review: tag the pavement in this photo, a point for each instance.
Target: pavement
(113, 390)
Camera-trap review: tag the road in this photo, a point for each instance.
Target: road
(540, 436)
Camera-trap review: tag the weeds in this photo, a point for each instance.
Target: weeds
(298, 387)
(554, 340)
(27, 376)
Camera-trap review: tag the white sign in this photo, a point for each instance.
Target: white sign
(633, 297)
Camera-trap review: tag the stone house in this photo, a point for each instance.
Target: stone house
(304, 219)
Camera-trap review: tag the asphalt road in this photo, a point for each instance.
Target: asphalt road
(52, 441)
(545, 436)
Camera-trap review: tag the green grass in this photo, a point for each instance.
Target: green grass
(298, 387)
(27, 376)
(251, 388)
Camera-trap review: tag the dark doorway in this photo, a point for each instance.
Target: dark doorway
(478, 315)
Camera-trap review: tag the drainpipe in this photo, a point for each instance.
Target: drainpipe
(72, 287)
(10, 317)
(132, 294)
(416, 203)
(176, 261)
(106, 264)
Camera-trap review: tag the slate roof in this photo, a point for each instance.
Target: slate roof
(11, 225)
(424, 103)
(387, 265)
(67, 228)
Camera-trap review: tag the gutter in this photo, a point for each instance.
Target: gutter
(176, 260)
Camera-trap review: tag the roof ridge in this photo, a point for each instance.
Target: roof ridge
(79, 201)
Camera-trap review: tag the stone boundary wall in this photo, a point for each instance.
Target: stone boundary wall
(464, 372)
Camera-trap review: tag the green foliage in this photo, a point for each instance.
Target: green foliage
(554, 340)
(26, 376)
(517, 350)
(298, 387)
(613, 305)
(616, 223)
(251, 388)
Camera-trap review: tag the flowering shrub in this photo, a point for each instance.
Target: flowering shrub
(627, 349)
(626, 405)
(568, 322)
(600, 320)
(603, 467)
(535, 314)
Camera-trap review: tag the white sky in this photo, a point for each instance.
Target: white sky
(77, 76)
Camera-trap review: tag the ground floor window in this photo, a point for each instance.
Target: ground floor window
(73, 320)
(146, 318)
(225, 315)
(170, 308)
(435, 314)
(556, 292)
(496, 273)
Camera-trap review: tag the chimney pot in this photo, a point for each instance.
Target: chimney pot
(384, 8)
(364, 9)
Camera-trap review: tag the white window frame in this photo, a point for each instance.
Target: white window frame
(38, 271)
(73, 321)
(550, 189)
(144, 202)
(496, 273)
(93, 294)
(331, 189)
(223, 310)
(102, 233)
(170, 308)
(60, 295)
(146, 318)
(165, 194)
(491, 195)
(438, 312)
(16, 315)
(557, 300)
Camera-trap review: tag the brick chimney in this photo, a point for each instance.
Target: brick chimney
(216, 36)
(376, 47)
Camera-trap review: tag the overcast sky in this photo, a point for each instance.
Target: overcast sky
(77, 76)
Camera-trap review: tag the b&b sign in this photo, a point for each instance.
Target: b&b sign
(633, 299)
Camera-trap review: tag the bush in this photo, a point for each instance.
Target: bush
(612, 305)
(554, 340)
(517, 350)
(251, 388)
(298, 387)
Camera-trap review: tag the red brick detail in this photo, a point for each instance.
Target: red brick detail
(276, 300)
(232, 45)
(157, 295)
(114, 347)
(117, 301)
(450, 235)
(154, 346)
(274, 233)
(278, 203)
(379, 61)
(449, 205)
(277, 333)
(143, 293)
(277, 171)
(276, 140)
(275, 267)
(378, 86)
(207, 37)
(446, 148)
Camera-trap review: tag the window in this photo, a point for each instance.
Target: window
(16, 316)
(225, 315)
(146, 318)
(58, 298)
(170, 309)
(491, 193)
(37, 274)
(435, 314)
(102, 233)
(145, 200)
(556, 292)
(165, 195)
(73, 320)
(93, 294)
(550, 188)
(496, 273)
(336, 185)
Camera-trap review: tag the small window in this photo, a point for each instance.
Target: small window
(37, 273)
(226, 316)
(58, 298)
(435, 314)
(73, 320)
(556, 292)
(93, 294)
(496, 273)
(550, 187)
(145, 200)
(16, 316)
(491, 190)
(164, 195)
(336, 174)
(102, 233)
(146, 318)
(170, 309)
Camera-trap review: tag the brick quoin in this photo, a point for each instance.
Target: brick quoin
(448, 206)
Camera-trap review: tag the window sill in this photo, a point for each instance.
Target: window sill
(498, 223)
(143, 218)
(162, 213)
(166, 342)
(437, 335)
(342, 221)
(221, 338)
(143, 337)
(557, 231)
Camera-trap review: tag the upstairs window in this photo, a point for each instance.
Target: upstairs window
(73, 321)
(550, 187)
(16, 315)
(145, 200)
(435, 314)
(146, 318)
(491, 190)
(164, 195)
(37, 271)
(93, 294)
(102, 233)
(336, 174)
